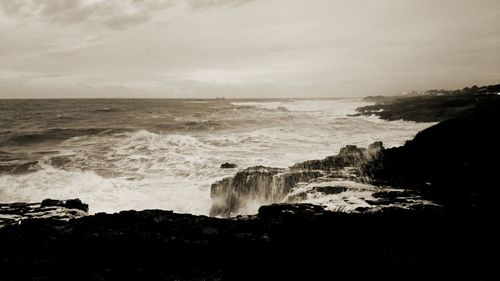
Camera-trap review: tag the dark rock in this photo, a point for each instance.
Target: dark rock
(363, 209)
(453, 163)
(394, 194)
(431, 106)
(296, 197)
(228, 166)
(330, 189)
(377, 146)
(69, 204)
(349, 156)
(265, 185)
(251, 184)
(15, 213)
(283, 242)
(260, 184)
(76, 204)
(387, 201)
(276, 211)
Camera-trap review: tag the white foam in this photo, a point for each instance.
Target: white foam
(143, 170)
(353, 197)
(338, 107)
(102, 194)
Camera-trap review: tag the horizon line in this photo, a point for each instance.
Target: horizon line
(174, 98)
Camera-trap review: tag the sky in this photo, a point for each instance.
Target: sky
(245, 48)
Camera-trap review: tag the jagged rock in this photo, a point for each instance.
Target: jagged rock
(376, 147)
(349, 156)
(284, 182)
(228, 166)
(330, 189)
(69, 204)
(262, 185)
(251, 184)
(277, 211)
(394, 194)
(14, 213)
(452, 163)
(304, 191)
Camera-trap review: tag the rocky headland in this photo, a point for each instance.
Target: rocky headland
(432, 105)
(256, 186)
(452, 164)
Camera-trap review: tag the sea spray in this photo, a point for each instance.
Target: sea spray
(167, 153)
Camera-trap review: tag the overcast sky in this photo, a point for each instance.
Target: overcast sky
(245, 48)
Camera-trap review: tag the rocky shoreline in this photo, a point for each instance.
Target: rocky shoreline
(282, 242)
(451, 164)
(394, 236)
(15, 213)
(432, 105)
(338, 174)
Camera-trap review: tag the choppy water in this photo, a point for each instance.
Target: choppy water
(143, 154)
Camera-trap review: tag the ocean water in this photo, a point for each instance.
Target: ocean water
(148, 154)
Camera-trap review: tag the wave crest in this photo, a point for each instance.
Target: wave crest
(152, 141)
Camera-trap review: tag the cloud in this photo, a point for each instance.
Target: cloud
(115, 14)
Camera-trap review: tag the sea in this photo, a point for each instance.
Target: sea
(122, 154)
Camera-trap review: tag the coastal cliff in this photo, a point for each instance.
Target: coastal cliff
(454, 162)
(265, 185)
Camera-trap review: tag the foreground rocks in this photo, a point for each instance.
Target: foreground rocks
(282, 242)
(16, 213)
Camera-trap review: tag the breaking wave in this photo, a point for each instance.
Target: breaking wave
(167, 156)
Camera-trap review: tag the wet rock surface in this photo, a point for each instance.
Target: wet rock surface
(233, 193)
(228, 166)
(16, 213)
(68, 204)
(349, 156)
(266, 185)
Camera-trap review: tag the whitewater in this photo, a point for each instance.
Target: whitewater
(165, 154)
